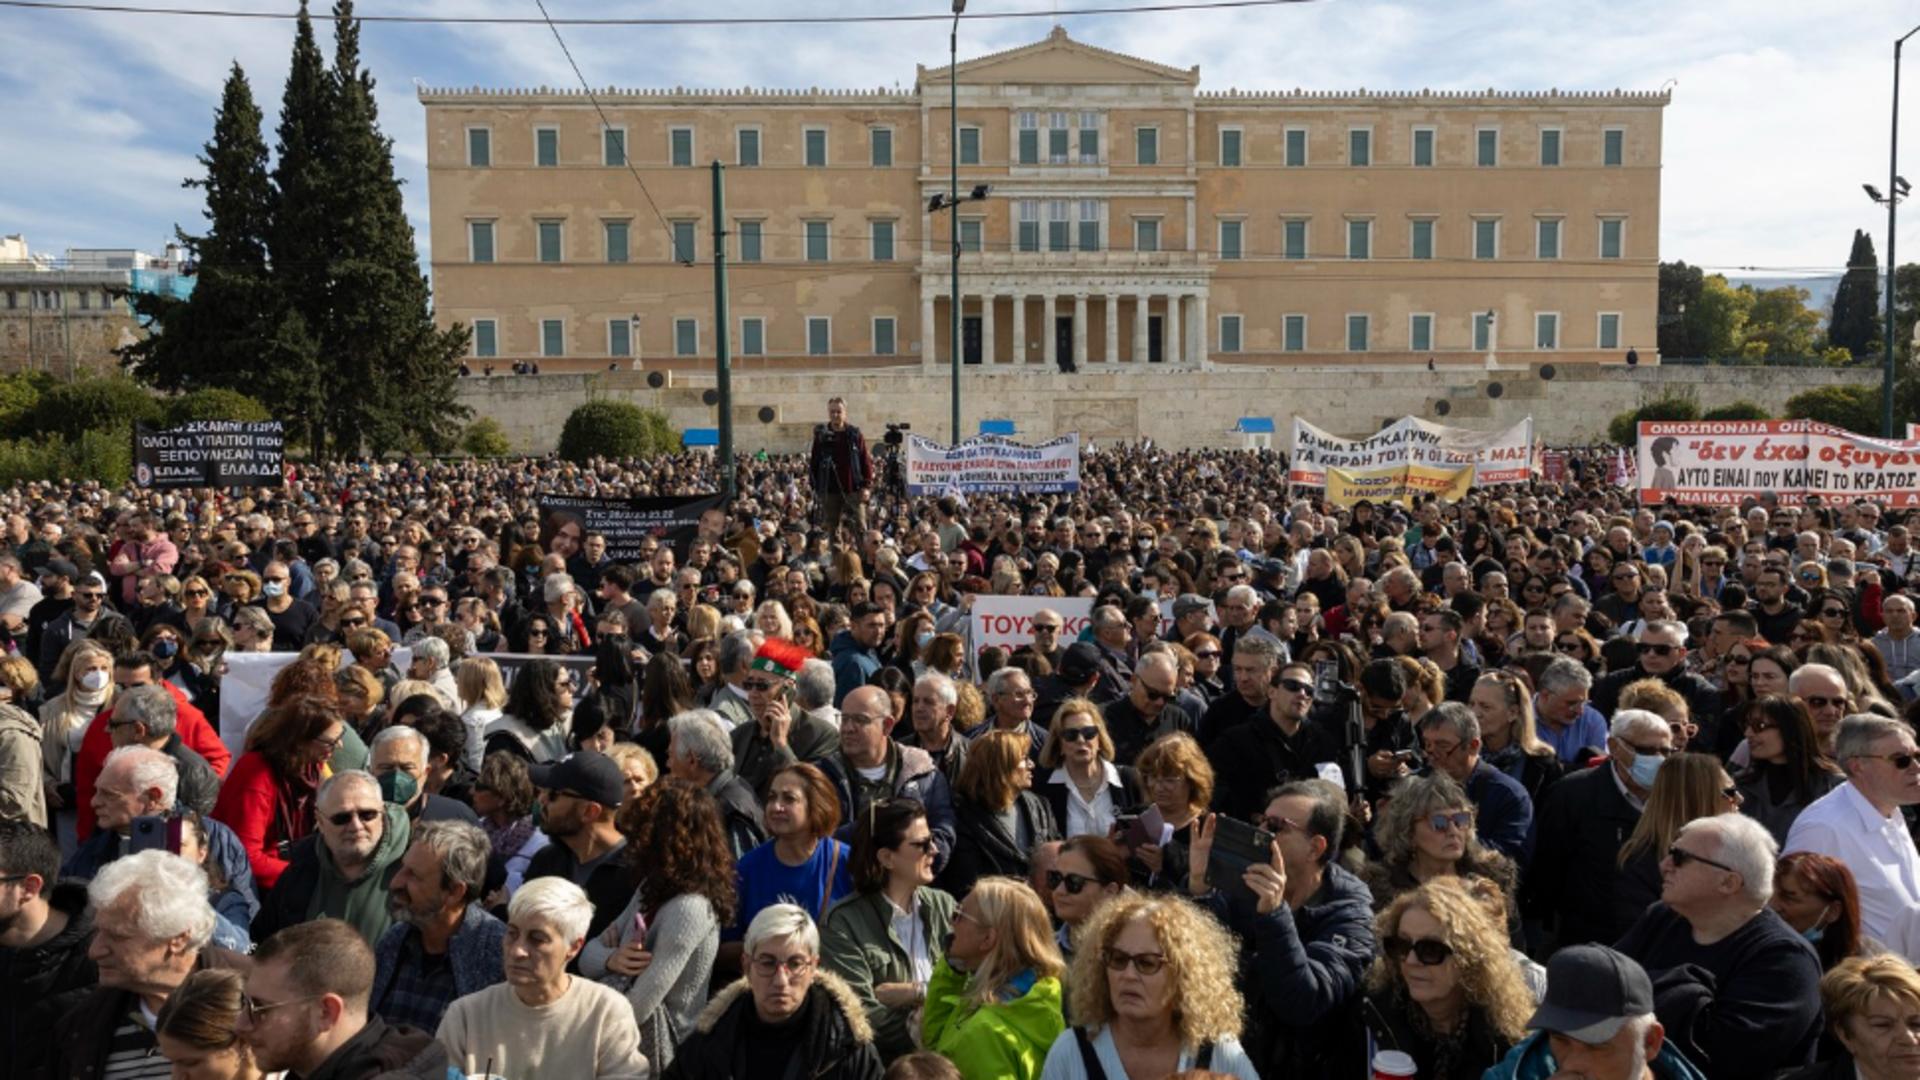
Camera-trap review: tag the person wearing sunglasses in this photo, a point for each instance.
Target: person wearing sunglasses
(1739, 987)
(1153, 994)
(1450, 742)
(345, 872)
(1860, 822)
(1690, 786)
(994, 1004)
(1426, 831)
(885, 938)
(1087, 872)
(1786, 771)
(1445, 989)
(1085, 788)
(1279, 745)
(268, 797)
(1149, 711)
(1662, 654)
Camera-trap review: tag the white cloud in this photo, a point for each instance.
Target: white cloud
(1779, 112)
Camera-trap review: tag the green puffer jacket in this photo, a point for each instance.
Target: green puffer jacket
(1007, 1040)
(858, 944)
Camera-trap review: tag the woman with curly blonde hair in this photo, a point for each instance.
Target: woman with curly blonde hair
(1427, 832)
(1445, 989)
(1153, 994)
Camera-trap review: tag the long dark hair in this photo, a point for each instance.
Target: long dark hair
(883, 826)
(667, 690)
(613, 661)
(1805, 759)
(1832, 881)
(532, 699)
(677, 847)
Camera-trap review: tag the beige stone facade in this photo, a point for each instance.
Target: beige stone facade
(68, 322)
(1134, 219)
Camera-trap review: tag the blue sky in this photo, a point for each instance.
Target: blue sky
(1779, 110)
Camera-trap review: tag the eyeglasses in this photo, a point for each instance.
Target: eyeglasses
(1275, 824)
(1443, 820)
(795, 966)
(1731, 793)
(1147, 964)
(1739, 658)
(1815, 701)
(1647, 751)
(1569, 645)
(1903, 760)
(1651, 648)
(1207, 654)
(341, 819)
(253, 1009)
(1073, 883)
(1431, 952)
(331, 744)
(196, 592)
(1080, 734)
(1295, 686)
(1155, 695)
(760, 686)
(1757, 724)
(1833, 613)
(89, 595)
(1681, 857)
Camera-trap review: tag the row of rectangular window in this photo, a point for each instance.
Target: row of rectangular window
(1548, 236)
(1293, 332)
(617, 241)
(54, 299)
(1064, 145)
(680, 147)
(686, 337)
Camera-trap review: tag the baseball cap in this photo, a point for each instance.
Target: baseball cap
(1188, 603)
(587, 774)
(1592, 991)
(1081, 659)
(60, 568)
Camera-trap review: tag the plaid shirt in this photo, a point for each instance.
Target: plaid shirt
(421, 990)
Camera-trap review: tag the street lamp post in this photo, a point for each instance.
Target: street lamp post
(953, 197)
(1894, 183)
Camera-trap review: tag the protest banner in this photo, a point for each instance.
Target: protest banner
(565, 521)
(1723, 462)
(1496, 457)
(993, 463)
(1404, 483)
(1007, 621)
(249, 676)
(210, 453)
(1553, 466)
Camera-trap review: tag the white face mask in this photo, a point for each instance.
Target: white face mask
(95, 681)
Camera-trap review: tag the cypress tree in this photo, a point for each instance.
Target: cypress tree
(300, 242)
(392, 373)
(235, 331)
(1855, 325)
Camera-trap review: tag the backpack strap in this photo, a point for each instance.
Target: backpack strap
(1089, 1059)
(1203, 1059)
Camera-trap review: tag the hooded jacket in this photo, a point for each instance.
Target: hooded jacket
(857, 940)
(838, 1045)
(1008, 1040)
(22, 792)
(1533, 1060)
(312, 887)
(40, 984)
(853, 665)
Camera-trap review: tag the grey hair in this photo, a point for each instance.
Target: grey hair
(1746, 846)
(462, 849)
(1626, 721)
(401, 731)
(813, 685)
(432, 648)
(736, 652)
(949, 695)
(1243, 594)
(1666, 626)
(172, 899)
(1265, 649)
(783, 922)
(1564, 673)
(1453, 714)
(1161, 660)
(556, 586)
(997, 683)
(702, 738)
(1106, 617)
(147, 768)
(348, 778)
(556, 900)
(1801, 673)
(1857, 734)
(149, 705)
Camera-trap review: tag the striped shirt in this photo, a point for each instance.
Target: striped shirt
(133, 1054)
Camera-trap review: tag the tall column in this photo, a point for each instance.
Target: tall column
(1049, 342)
(929, 338)
(1141, 303)
(1202, 328)
(1019, 328)
(986, 329)
(1080, 331)
(1113, 328)
(1173, 348)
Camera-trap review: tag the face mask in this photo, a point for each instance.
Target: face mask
(274, 588)
(923, 638)
(166, 648)
(1644, 768)
(1818, 930)
(398, 787)
(95, 681)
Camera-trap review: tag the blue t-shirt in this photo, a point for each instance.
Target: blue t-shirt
(765, 881)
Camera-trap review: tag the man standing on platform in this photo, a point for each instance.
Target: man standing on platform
(841, 471)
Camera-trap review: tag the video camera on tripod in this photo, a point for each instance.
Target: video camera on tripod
(1342, 702)
(893, 476)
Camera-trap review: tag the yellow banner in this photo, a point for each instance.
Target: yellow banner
(1345, 488)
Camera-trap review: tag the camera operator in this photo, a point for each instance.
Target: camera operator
(841, 470)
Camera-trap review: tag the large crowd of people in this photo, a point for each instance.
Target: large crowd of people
(1538, 783)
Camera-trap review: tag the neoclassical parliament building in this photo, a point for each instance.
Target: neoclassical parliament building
(1132, 219)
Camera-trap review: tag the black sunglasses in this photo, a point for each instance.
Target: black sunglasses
(1073, 883)
(1681, 857)
(1295, 686)
(1431, 952)
(1655, 649)
(1079, 734)
(340, 819)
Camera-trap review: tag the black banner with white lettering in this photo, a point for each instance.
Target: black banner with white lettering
(565, 521)
(210, 453)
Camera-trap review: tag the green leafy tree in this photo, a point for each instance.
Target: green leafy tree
(107, 403)
(214, 404)
(485, 438)
(1624, 427)
(1855, 325)
(1680, 287)
(616, 429)
(300, 240)
(1856, 408)
(1779, 323)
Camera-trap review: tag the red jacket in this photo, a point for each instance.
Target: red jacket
(262, 809)
(191, 725)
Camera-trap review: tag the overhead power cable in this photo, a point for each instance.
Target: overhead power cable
(661, 20)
